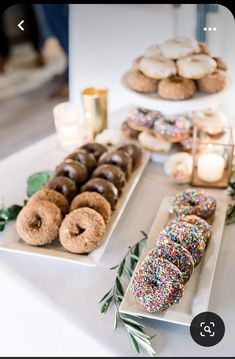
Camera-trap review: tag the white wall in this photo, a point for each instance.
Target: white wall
(105, 39)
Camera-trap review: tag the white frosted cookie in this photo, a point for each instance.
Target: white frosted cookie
(196, 66)
(210, 121)
(179, 167)
(153, 51)
(154, 143)
(157, 67)
(179, 46)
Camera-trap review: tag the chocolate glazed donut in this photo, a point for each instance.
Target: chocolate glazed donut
(104, 187)
(64, 185)
(134, 151)
(112, 174)
(85, 158)
(95, 148)
(73, 170)
(117, 158)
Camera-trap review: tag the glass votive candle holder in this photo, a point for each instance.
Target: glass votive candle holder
(95, 109)
(212, 158)
(67, 124)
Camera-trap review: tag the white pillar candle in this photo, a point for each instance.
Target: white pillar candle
(210, 167)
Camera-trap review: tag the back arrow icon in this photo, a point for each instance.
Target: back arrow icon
(19, 25)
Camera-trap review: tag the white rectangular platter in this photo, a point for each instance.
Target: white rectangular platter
(10, 241)
(197, 290)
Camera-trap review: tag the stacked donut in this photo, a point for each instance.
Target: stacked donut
(75, 205)
(176, 68)
(160, 279)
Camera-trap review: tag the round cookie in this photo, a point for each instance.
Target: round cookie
(104, 187)
(173, 128)
(111, 173)
(38, 223)
(221, 63)
(137, 81)
(196, 66)
(64, 185)
(141, 119)
(52, 196)
(194, 201)
(187, 235)
(94, 148)
(73, 170)
(92, 200)
(179, 46)
(134, 151)
(157, 284)
(117, 158)
(201, 224)
(158, 67)
(154, 142)
(85, 158)
(213, 82)
(82, 230)
(204, 49)
(176, 88)
(177, 255)
(129, 132)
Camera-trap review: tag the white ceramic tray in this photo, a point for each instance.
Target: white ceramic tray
(153, 102)
(9, 240)
(197, 290)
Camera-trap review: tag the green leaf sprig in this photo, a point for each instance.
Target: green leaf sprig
(230, 215)
(137, 332)
(35, 182)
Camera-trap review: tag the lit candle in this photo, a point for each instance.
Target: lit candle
(210, 167)
(66, 117)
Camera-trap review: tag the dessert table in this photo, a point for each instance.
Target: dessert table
(50, 307)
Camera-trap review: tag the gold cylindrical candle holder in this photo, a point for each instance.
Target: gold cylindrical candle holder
(95, 109)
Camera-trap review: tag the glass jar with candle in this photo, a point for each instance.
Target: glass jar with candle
(212, 158)
(67, 124)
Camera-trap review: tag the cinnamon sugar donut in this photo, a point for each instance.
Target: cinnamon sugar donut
(213, 82)
(176, 88)
(73, 170)
(38, 223)
(85, 158)
(64, 185)
(52, 196)
(111, 173)
(82, 230)
(138, 81)
(117, 158)
(92, 200)
(104, 187)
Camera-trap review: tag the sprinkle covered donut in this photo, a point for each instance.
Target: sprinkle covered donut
(141, 119)
(201, 224)
(187, 235)
(176, 254)
(157, 284)
(173, 128)
(194, 201)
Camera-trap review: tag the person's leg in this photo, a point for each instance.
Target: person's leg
(4, 47)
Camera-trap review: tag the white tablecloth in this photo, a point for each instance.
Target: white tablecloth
(48, 307)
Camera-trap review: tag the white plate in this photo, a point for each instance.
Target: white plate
(152, 101)
(9, 240)
(197, 290)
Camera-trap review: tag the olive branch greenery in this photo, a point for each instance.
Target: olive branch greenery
(35, 182)
(137, 332)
